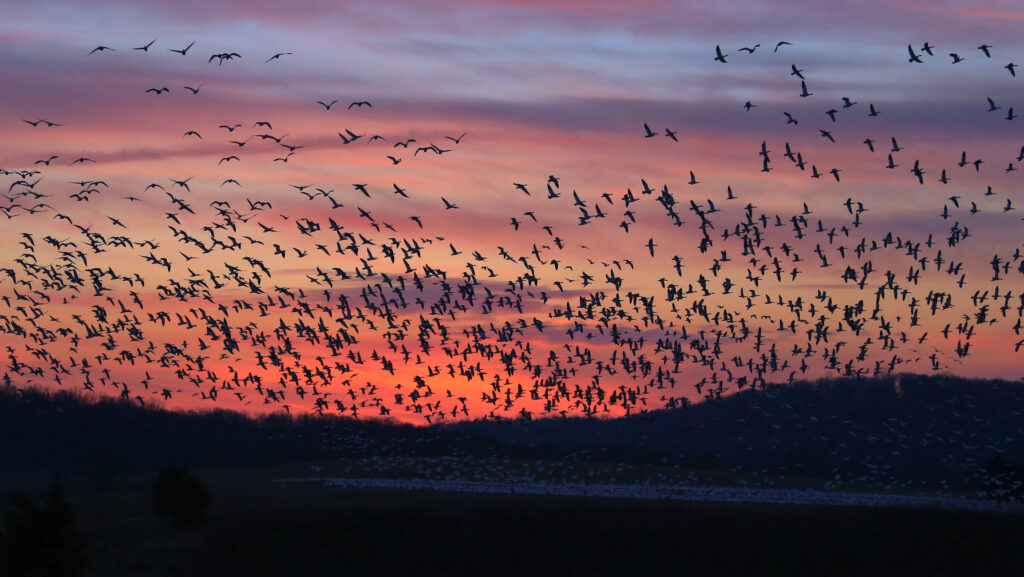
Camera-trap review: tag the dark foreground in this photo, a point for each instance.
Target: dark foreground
(257, 527)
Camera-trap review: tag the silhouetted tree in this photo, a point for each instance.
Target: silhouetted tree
(1003, 480)
(180, 496)
(41, 539)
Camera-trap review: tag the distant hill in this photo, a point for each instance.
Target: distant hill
(898, 431)
(901, 431)
(45, 435)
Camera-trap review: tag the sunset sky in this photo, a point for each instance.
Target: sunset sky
(512, 92)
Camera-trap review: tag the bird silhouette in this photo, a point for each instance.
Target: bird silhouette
(277, 56)
(719, 57)
(914, 58)
(183, 51)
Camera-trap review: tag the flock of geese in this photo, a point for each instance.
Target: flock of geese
(335, 309)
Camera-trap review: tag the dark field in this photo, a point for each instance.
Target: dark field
(258, 528)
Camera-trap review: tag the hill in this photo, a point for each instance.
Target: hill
(44, 435)
(905, 431)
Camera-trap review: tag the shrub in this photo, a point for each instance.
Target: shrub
(1003, 480)
(180, 496)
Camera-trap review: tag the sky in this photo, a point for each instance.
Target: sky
(667, 201)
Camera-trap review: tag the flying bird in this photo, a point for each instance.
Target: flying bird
(184, 50)
(913, 57)
(277, 56)
(719, 57)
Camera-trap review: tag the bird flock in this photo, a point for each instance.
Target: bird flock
(662, 492)
(369, 299)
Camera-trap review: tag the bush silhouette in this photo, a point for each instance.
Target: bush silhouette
(40, 539)
(180, 496)
(1003, 480)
